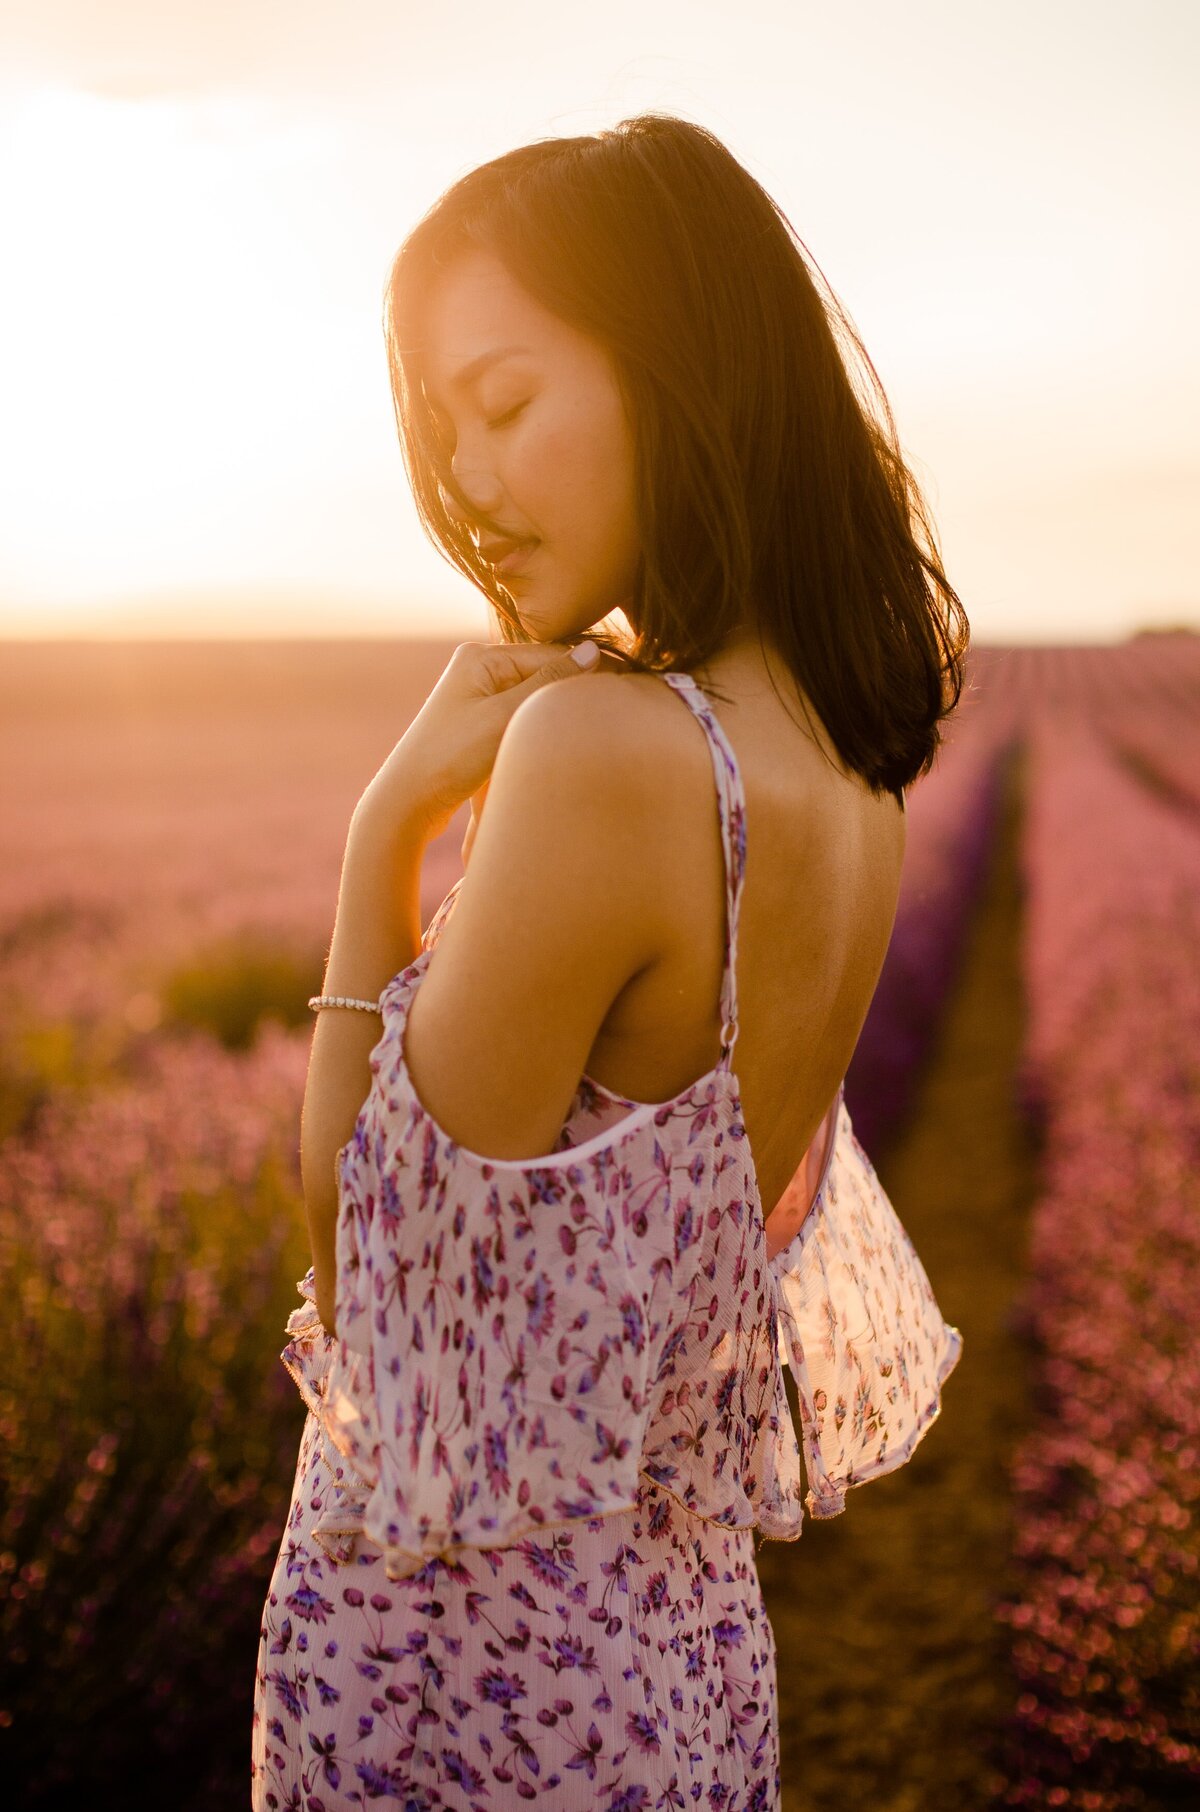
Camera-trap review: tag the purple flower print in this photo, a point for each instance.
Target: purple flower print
(308, 1603)
(551, 1565)
(495, 1687)
(540, 1298)
(389, 1783)
(632, 1799)
(585, 1755)
(482, 1275)
(640, 1728)
(294, 1702)
(633, 1323)
(460, 1772)
(495, 1459)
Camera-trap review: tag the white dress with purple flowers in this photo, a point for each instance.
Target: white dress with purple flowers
(519, 1561)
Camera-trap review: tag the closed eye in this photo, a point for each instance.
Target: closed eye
(502, 421)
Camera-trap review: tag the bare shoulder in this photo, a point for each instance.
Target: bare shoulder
(577, 792)
(563, 884)
(611, 725)
(620, 708)
(604, 756)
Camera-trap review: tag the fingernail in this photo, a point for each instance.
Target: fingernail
(585, 653)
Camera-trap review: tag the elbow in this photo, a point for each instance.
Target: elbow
(325, 1283)
(320, 1184)
(321, 1211)
(326, 1315)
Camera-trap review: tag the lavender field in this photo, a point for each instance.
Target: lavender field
(1012, 1620)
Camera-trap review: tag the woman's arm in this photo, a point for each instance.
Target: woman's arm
(377, 932)
(445, 756)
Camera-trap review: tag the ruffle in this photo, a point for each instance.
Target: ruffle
(366, 1490)
(489, 1388)
(521, 1346)
(308, 1357)
(850, 1311)
(720, 1436)
(854, 1317)
(524, 1346)
(862, 1332)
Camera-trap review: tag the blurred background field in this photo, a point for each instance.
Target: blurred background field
(1013, 1619)
(199, 465)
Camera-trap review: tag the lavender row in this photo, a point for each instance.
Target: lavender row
(953, 814)
(1160, 750)
(151, 1232)
(1105, 1612)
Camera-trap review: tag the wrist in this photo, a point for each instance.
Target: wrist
(392, 819)
(377, 926)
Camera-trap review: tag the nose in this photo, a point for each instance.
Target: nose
(479, 488)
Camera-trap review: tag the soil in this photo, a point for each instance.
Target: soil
(893, 1678)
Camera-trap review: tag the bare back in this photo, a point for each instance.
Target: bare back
(823, 863)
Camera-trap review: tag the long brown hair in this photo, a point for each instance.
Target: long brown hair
(770, 492)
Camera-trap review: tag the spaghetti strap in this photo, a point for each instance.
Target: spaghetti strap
(731, 804)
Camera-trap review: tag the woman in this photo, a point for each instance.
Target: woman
(561, 1249)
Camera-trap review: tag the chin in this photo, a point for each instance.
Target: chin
(545, 626)
(550, 622)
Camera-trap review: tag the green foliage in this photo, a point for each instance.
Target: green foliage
(230, 987)
(150, 1239)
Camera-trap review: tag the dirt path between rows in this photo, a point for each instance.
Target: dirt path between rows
(892, 1670)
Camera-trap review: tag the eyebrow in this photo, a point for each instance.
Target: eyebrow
(473, 369)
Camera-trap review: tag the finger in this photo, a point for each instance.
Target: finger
(501, 665)
(583, 658)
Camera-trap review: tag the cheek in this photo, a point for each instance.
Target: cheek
(569, 475)
(617, 502)
(550, 462)
(585, 461)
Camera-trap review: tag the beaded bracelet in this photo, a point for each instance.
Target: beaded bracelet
(343, 1000)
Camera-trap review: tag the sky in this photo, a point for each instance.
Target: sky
(199, 204)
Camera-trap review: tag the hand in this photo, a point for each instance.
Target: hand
(448, 751)
(608, 663)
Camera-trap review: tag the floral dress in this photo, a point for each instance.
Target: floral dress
(519, 1561)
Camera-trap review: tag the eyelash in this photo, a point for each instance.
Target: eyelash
(501, 421)
(498, 421)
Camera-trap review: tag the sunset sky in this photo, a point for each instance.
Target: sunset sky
(199, 203)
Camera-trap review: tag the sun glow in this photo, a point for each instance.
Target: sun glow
(157, 350)
(199, 206)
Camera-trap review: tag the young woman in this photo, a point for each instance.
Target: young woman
(562, 1248)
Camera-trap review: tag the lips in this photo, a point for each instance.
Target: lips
(504, 556)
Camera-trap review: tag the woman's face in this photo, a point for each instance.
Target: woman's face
(542, 444)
